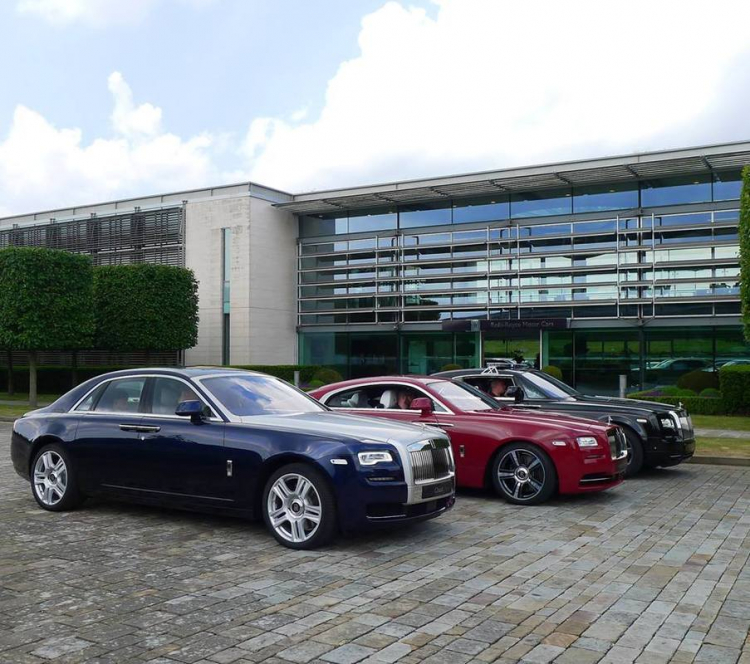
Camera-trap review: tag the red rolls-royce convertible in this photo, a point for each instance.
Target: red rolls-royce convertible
(526, 457)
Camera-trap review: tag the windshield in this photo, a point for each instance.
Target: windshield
(552, 387)
(464, 397)
(245, 395)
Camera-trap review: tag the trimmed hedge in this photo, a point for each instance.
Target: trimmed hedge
(698, 380)
(695, 405)
(553, 371)
(735, 387)
(52, 379)
(285, 371)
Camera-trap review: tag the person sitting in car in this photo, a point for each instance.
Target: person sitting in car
(498, 386)
(404, 399)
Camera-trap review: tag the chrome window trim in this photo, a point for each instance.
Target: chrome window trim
(139, 413)
(447, 411)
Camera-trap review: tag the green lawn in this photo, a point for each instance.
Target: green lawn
(723, 447)
(726, 422)
(14, 411)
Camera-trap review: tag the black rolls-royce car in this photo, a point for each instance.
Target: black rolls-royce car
(657, 434)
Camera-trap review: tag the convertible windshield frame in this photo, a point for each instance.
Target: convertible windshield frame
(539, 378)
(210, 386)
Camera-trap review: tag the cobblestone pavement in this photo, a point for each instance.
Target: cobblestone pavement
(652, 571)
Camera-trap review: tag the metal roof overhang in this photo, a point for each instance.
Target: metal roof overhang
(610, 171)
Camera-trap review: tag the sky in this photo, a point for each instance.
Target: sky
(104, 99)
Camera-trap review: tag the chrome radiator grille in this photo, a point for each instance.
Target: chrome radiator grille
(431, 463)
(616, 443)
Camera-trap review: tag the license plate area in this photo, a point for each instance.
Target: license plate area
(439, 489)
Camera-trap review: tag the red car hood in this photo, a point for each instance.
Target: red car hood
(577, 425)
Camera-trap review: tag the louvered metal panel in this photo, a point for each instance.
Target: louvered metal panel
(526, 182)
(670, 167)
(737, 160)
(599, 175)
(154, 236)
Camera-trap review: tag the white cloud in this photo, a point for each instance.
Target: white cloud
(485, 84)
(42, 166)
(96, 13)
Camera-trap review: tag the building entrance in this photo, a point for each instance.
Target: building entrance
(507, 344)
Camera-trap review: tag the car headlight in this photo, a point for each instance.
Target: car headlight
(587, 441)
(667, 422)
(371, 458)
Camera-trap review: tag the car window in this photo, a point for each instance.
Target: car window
(88, 403)
(463, 397)
(121, 396)
(536, 386)
(247, 395)
(168, 393)
(389, 396)
(494, 385)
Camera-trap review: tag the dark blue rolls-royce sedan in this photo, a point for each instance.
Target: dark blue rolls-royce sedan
(235, 441)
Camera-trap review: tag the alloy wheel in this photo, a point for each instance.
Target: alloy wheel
(50, 478)
(521, 474)
(294, 508)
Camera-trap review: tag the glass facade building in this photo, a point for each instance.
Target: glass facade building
(637, 276)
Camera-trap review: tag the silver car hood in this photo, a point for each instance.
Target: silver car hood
(326, 423)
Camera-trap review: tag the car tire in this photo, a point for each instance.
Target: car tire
(299, 508)
(635, 452)
(53, 479)
(523, 474)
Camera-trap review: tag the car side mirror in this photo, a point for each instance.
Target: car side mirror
(423, 404)
(192, 409)
(515, 392)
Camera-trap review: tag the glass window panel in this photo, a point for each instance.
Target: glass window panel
(596, 312)
(724, 234)
(726, 252)
(684, 309)
(386, 242)
(546, 312)
(597, 198)
(431, 238)
(541, 203)
(470, 266)
(702, 235)
(485, 208)
(507, 233)
(544, 230)
(470, 236)
(413, 216)
(676, 190)
(323, 224)
(703, 218)
(367, 243)
(595, 259)
(726, 215)
(467, 250)
(373, 220)
(596, 242)
(606, 226)
(727, 185)
(668, 255)
(555, 244)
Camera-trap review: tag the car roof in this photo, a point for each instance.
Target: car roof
(371, 380)
(186, 372)
(457, 373)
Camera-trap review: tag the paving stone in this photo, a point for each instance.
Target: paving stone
(654, 570)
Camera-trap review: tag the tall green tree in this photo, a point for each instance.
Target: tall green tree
(46, 303)
(145, 307)
(744, 233)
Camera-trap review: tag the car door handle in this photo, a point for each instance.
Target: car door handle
(129, 427)
(145, 428)
(445, 426)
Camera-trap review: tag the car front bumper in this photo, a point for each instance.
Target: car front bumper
(594, 472)
(664, 452)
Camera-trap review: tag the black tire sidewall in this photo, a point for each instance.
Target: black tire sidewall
(550, 474)
(328, 522)
(637, 459)
(72, 497)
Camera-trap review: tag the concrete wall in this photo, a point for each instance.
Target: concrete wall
(262, 280)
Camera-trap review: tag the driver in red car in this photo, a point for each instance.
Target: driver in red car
(404, 399)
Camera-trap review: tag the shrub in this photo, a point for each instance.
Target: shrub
(450, 367)
(314, 385)
(735, 387)
(698, 380)
(553, 371)
(710, 392)
(672, 391)
(327, 375)
(284, 371)
(744, 239)
(696, 405)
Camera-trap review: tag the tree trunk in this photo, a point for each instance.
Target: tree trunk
(33, 397)
(11, 385)
(74, 368)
